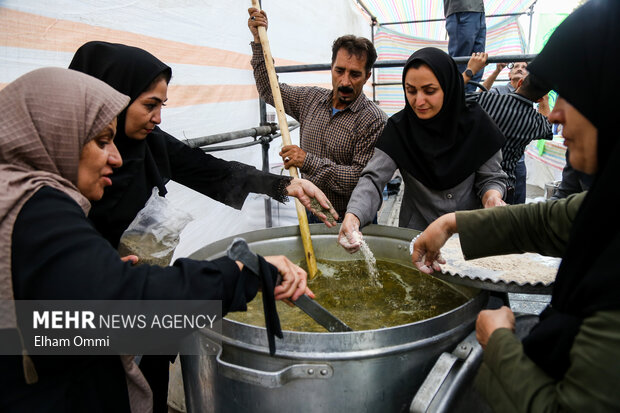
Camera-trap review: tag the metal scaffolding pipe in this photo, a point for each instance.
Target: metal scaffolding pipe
(230, 147)
(440, 20)
(529, 34)
(400, 63)
(400, 83)
(240, 134)
(363, 6)
(261, 140)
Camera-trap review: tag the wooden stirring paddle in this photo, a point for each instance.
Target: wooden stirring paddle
(286, 139)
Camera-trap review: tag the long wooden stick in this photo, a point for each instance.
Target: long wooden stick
(286, 139)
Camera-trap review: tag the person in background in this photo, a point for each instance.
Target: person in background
(570, 361)
(57, 154)
(339, 127)
(516, 117)
(447, 150)
(152, 157)
(573, 181)
(517, 72)
(467, 31)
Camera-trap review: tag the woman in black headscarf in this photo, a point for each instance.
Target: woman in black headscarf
(151, 157)
(447, 150)
(57, 154)
(570, 361)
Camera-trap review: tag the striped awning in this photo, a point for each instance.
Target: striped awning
(390, 11)
(398, 42)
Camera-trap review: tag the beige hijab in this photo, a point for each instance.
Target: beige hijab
(48, 116)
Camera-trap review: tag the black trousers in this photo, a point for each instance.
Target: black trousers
(156, 370)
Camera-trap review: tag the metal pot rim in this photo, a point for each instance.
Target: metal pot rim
(237, 333)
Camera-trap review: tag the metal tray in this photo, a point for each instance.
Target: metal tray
(472, 275)
(484, 283)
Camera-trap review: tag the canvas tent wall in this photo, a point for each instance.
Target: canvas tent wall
(212, 90)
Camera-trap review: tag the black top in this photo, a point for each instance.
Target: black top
(441, 151)
(57, 254)
(152, 162)
(588, 279)
(573, 181)
(228, 182)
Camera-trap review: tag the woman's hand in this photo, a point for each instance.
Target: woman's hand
(490, 320)
(426, 254)
(306, 191)
(133, 259)
(350, 237)
(492, 198)
(294, 278)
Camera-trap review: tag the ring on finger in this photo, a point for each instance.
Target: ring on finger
(252, 18)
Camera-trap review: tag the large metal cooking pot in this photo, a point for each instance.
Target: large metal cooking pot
(361, 371)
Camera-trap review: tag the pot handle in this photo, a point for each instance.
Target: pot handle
(272, 379)
(449, 374)
(449, 385)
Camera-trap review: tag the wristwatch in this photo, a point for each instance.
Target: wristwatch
(469, 73)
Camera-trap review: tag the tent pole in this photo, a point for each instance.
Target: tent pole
(363, 6)
(373, 23)
(372, 40)
(265, 146)
(529, 35)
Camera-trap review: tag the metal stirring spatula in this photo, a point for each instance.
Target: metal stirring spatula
(240, 251)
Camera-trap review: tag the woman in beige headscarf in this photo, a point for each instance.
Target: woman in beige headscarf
(57, 152)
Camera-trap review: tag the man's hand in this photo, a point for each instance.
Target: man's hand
(500, 66)
(257, 18)
(490, 320)
(492, 198)
(294, 279)
(477, 61)
(426, 254)
(350, 237)
(292, 155)
(306, 191)
(488, 82)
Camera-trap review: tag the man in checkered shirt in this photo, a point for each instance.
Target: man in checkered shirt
(339, 127)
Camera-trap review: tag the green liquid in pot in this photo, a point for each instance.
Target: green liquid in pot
(344, 289)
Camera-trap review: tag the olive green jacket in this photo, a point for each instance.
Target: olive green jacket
(507, 378)
(542, 227)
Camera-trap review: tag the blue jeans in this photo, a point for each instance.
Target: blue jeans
(467, 33)
(520, 185)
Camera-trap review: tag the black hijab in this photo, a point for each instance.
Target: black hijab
(583, 51)
(442, 151)
(131, 71)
